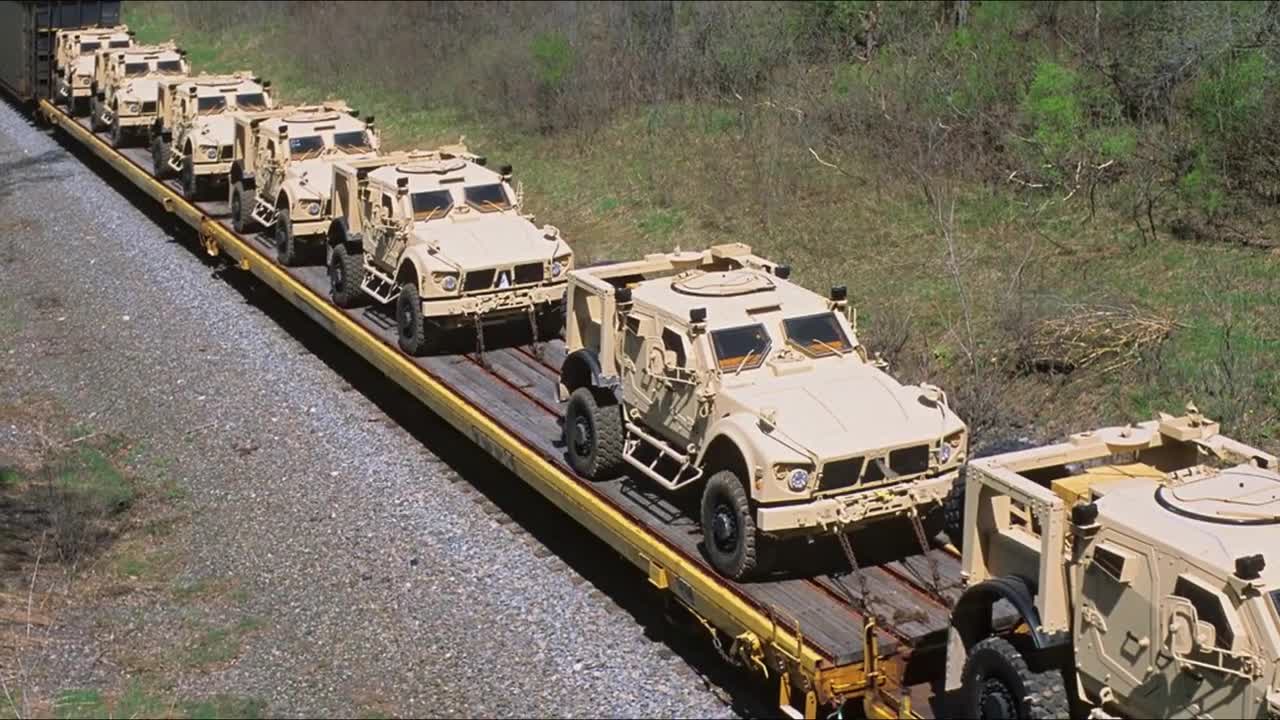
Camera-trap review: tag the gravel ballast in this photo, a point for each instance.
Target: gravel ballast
(374, 572)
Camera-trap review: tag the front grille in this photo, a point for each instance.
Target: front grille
(478, 280)
(840, 474)
(528, 273)
(910, 461)
(225, 153)
(149, 106)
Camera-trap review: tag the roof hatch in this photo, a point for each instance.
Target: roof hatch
(725, 283)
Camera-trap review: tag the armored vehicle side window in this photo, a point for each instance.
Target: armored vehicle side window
(487, 198)
(1110, 561)
(388, 205)
(89, 47)
(817, 335)
(169, 66)
(251, 101)
(117, 44)
(1275, 600)
(351, 141)
(135, 69)
(211, 105)
(674, 343)
(300, 147)
(431, 204)
(741, 348)
(1209, 609)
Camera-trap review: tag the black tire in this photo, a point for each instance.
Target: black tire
(192, 188)
(729, 528)
(160, 158)
(953, 511)
(346, 273)
(95, 119)
(241, 214)
(117, 134)
(593, 434)
(79, 106)
(997, 683)
(287, 250)
(417, 336)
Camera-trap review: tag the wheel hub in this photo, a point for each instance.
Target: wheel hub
(997, 701)
(724, 528)
(581, 437)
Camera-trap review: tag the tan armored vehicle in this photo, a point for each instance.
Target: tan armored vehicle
(73, 55)
(711, 369)
(198, 127)
(282, 172)
(1137, 559)
(442, 236)
(125, 89)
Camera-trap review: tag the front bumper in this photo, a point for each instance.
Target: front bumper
(847, 512)
(132, 121)
(313, 225)
(491, 307)
(211, 168)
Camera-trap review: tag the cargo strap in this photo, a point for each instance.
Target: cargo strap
(536, 344)
(480, 341)
(935, 586)
(861, 602)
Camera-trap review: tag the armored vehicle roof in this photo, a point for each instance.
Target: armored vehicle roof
(1214, 516)
(214, 85)
(435, 169)
(731, 297)
(310, 119)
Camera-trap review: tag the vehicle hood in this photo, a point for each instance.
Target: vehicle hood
(842, 408)
(141, 89)
(480, 241)
(312, 178)
(214, 129)
(84, 65)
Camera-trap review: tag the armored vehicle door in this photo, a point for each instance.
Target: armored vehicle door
(1116, 635)
(639, 384)
(384, 232)
(676, 370)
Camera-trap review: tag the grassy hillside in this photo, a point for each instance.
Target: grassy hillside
(1016, 217)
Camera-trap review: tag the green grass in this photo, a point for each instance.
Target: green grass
(138, 701)
(90, 474)
(697, 173)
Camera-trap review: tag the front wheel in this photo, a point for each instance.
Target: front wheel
(593, 435)
(997, 683)
(729, 528)
(417, 336)
(191, 185)
(241, 214)
(117, 134)
(160, 158)
(287, 250)
(346, 274)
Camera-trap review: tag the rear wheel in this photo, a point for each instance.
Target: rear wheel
(346, 273)
(997, 683)
(729, 528)
(241, 212)
(417, 336)
(79, 106)
(551, 322)
(287, 250)
(593, 434)
(95, 119)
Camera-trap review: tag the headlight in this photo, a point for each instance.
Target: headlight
(944, 453)
(797, 479)
(448, 282)
(210, 152)
(556, 268)
(132, 107)
(313, 208)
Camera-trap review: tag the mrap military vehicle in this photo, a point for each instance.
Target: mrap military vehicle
(74, 56)
(193, 134)
(282, 169)
(1137, 561)
(442, 237)
(712, 369)
(125, 87)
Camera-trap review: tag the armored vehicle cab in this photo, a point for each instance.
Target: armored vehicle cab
(711, 369)
(442, 237)
(196, 141)
(286, 163)
(126, 87)
(1140, 560)
(74, 54)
